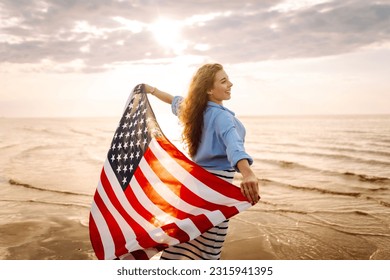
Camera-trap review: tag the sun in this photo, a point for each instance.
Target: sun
(167, 33)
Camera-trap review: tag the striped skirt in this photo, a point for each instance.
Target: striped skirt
(207, 246)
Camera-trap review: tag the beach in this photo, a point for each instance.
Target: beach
(325, 188)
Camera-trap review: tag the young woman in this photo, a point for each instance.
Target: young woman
(214, 138)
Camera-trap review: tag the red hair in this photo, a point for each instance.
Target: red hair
(194, 105)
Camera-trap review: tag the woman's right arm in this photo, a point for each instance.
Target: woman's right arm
(163, 96)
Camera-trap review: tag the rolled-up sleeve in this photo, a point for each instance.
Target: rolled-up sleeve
(234, 143)
(175, 105)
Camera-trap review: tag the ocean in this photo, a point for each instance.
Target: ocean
(324, 180)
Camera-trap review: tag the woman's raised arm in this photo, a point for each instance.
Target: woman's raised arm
(163, 96)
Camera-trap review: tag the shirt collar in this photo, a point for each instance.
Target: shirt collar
(213, 104)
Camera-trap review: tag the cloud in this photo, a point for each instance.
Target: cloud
(101, 33)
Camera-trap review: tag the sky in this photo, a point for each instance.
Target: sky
(71, 58)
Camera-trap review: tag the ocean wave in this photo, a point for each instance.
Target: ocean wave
(343, 157)
(85, 133)
(39, 148)
(359, 151)
(331, 192)
(360, 177)
(324, 191)
(381, 202)
(46, 203)
(386, 141)
(367, 178)
(314, 189)
(9, 146)
(93, 134)
(307, 212)
(340, 228)
(43, 131)
(25, 185)
(286, 164)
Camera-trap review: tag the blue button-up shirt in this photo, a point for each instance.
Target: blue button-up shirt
(222, 141)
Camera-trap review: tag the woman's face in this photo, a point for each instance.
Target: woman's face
(221, 88)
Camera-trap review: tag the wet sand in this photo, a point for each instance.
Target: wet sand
(38, 231)
(55, 239)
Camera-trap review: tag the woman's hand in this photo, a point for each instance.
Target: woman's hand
(148, 89)
(249, 184)
(250, 188)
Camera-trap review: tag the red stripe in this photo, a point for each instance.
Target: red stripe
(174, 231)
(201, 174)
(95, 238)
(157, 199)
(160, 202)
(140, 255)
(170, 229)
(139, 208)
(142, 235)
(115, 231)
(202, 222)
(182, 191)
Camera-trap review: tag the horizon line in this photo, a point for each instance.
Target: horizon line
(240, 116)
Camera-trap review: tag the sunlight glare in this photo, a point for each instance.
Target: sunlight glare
(167, 34)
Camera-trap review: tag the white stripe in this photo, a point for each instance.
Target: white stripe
(243, 206)
(157, 234)
(149, 205)
(104, 232)
(173, 199)
(188, 180)
(216, 217)
(127, 231)
(189, 227)
(186, 225)
(123, 199)
(165, 192)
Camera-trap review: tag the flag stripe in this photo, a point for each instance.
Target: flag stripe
(162, 197)
(182, 191)
(170, 224)
(124, 202)
(146, 240)
(136, 192)
(104, 230)
(121, 217)
(184, 227)
(156, 237)
(113, 220)
(158, 197)
(215, 189)
(171, 229)
(95, 238)
(173, 204)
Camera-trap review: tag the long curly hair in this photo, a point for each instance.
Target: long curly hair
(194, 105)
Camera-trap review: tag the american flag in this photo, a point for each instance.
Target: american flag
(150, 195)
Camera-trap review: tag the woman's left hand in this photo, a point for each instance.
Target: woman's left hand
(250, 188)
(250, 183)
